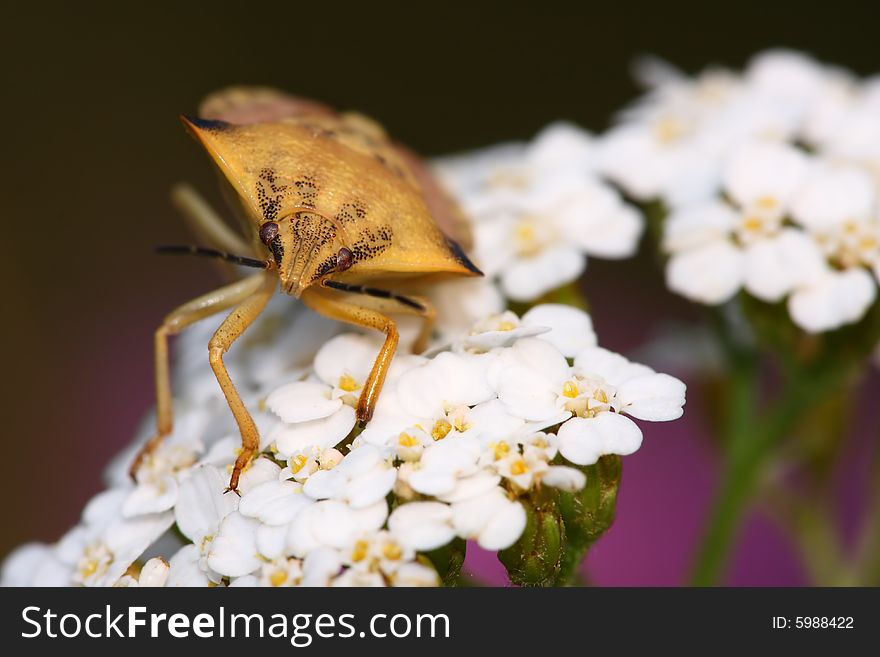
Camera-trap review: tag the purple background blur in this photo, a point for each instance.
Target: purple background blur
(93, 145)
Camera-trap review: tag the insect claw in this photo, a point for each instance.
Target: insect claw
(232, 489)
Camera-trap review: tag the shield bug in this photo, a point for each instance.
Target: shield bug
(334, 212)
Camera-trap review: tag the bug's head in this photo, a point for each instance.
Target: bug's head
(305, 248)
(255, 160)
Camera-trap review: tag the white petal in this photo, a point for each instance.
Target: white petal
(261, 470)
(154, 572)
(202, 504)
(334, 524)
(615, 234)
(233, 551)
(271, 541)
(493, 520)
(764, 169)
(774, 266)
(448, 379)
(534, 353)
(151, 497)
(422, 525)
(527, 395)
(834, 195)
(319, 566)
(472, 486)
(710, 274)
(273, 502)
(184, 568)
(696, 225)
(571, 329)
(583, 440)
(19, 566)
(432, 481)
(326, 484)
(836, 299)
(611, 366)
(349, 353)
(527, 279)
(654, 397)
(415, 574)
(324, 432)
(366, 490)
(504, 527)
(564, 478)
(561, 144)
(302, 401)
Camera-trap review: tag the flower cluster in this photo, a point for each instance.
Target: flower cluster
(770, 179)
(539, 209)
(461, 436)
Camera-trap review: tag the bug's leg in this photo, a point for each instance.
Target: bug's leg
(385, 301)
(189, 313)
(343, 309)
(232, 327)
(205, 222)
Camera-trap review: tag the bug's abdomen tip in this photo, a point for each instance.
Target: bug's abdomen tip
(204, 124)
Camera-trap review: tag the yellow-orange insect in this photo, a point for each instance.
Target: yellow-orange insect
(336, 212)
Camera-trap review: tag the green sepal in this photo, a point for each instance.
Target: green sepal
(448, 560)
(535, 559)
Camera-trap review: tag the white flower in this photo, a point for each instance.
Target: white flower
(838, 207)
(156, 489)
(422, 526)
(201, 507)
(333, 524)
(102, 548)
(361, 479)
(540, 211)
(491, 519)
(716, 248)
(599, 387)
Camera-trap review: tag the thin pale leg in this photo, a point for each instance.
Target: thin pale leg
(189, 313)
(205, 222)
(329, 304)
(232, 327)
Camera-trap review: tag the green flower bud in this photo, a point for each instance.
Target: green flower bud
(535, 559)
(448, 560)
(587, 513)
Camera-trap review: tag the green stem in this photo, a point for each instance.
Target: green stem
(751, 439)
(808, 523)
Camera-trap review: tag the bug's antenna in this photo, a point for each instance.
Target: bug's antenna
(213, 253)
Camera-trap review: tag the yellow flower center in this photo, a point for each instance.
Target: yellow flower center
(406, 440)
(500, 449)
(296, 463)
(752, 224)
(570, 389)
(278, 578)
(347, 383)
(441, 429)
(392, 551)
(518, 467)
(668, 130)
(359, 553)
(767, 203)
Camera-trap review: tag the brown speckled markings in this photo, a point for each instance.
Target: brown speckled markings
(343, 170)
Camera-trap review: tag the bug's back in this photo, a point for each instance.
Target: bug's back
(339, 175)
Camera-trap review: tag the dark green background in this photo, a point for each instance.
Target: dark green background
(91, 145)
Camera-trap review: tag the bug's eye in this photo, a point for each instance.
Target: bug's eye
(268, 232)
(344, 259)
